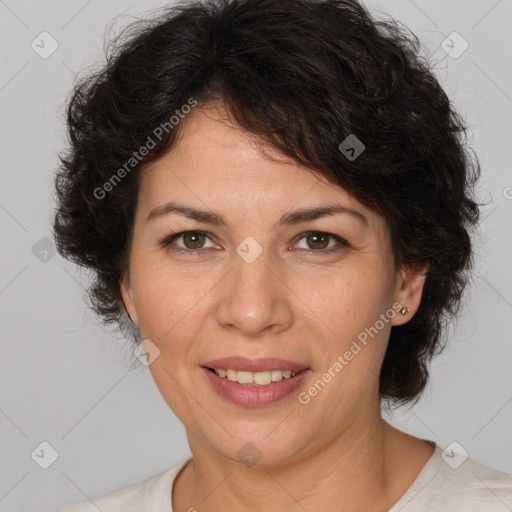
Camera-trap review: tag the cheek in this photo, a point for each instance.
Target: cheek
(169, 302)
(348, 300)
(354, 337)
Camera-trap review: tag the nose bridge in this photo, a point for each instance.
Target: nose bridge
(252, 269)
(253, 298)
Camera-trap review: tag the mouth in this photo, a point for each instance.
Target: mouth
(262, 378)
(254, 383)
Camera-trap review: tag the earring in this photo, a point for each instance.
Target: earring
(404, 311)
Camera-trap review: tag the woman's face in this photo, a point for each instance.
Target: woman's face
(248, 281)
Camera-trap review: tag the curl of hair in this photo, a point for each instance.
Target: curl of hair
(301, 75)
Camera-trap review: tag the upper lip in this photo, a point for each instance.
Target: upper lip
(254, 365)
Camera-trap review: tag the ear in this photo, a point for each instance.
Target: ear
(408, 292)
(127, 296)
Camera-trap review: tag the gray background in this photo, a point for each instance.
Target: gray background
(65, 380)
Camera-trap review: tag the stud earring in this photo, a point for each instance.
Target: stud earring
(404, 311)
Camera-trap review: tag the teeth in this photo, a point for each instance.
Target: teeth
(254, 378)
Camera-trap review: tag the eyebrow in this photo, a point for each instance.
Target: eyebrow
(287, 219)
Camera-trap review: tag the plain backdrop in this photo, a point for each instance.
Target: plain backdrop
(65, 381)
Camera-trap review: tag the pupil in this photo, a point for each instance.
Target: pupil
(195, 244)
(315, 237)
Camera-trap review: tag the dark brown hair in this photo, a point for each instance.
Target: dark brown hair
(302, 75)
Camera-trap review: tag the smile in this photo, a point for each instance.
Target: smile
(254, 389)
(254, 378)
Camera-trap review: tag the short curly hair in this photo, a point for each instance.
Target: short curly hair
(302, 75)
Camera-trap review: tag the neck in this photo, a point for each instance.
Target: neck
(360, 469)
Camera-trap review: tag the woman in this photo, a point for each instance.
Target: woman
(278, 195)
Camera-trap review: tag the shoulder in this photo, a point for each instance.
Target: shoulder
(476, 485)
(454, 483)
(142, 496)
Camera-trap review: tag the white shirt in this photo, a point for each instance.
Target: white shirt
(471, 487)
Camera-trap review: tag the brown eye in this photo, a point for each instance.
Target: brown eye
(193, 240)
(318, 241)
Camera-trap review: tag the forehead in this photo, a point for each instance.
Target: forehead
(211, 145)
(216, 164)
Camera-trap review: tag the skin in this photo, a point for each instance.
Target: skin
(291, 303)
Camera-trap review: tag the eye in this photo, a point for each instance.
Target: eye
(193, 241)
(319, 241)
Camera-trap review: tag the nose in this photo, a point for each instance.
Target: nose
(255, 300)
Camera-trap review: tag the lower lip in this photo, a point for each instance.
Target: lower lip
(255, 396)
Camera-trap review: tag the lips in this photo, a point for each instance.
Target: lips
(255, 396)
(254, 365)
(250, 395)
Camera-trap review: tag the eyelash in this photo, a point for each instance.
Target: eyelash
(199, 252)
